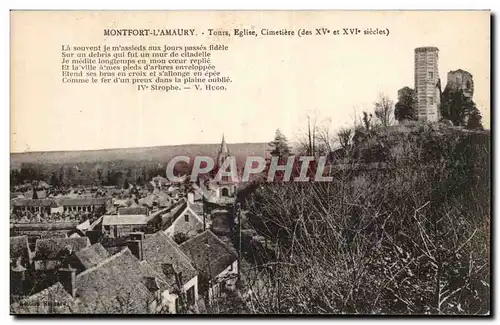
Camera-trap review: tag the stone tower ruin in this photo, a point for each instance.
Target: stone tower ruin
(427, 83)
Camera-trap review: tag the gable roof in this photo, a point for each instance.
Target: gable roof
(209, 254)
(114, 286)
(84, 201)
(92, 255)
(131, 219)
(169, 217)
(160, 249)
(197, 208)
(21, 202)
(117, 285)
(52, 300)
(156, 216)
(132, 210)
(52, 248)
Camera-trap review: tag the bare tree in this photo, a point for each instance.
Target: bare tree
(384, 110)
(344, 136)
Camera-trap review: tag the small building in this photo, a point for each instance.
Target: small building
(42, 206)
(216, 262)
(52, 253)
(182, 220)
(122, 225)
(98, 205)
(167, 259)
(121, 284)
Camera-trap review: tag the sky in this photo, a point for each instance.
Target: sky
(276, 81)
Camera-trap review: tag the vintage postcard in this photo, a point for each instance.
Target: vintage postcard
(250, 162)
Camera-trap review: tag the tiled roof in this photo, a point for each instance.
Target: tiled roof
(92, 255)
(115, 286)
(169, 217)
(157, 215)
(160, 249)
(209, 254)
(33, 203)
(83, 201)
(132, 210)
(139, 219)
(52, 248)
(52, 300)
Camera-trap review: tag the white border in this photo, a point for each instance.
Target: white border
(163, 5)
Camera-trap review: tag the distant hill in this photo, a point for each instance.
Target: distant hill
(157, 154)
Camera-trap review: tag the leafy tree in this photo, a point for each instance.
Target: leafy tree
(126, 185)
(405, 108)
(280, 145)
(14, 177)
(109, 178)
(54, 181)
(460, 109)
(474, 121)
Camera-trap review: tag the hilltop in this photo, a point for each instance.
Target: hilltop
(159, 154)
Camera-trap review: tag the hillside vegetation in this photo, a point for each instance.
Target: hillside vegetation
(413, 238)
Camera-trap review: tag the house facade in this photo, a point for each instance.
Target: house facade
(98, 205)
(176, 271)
(216, 262)
(116, 226)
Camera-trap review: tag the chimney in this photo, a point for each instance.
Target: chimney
(67, 277)
(190, 197)
(178, 279)
(135, 247)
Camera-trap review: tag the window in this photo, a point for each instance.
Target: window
(186, 217)
(158, 296)
(431, 100)
(190, 296)
(431, 75)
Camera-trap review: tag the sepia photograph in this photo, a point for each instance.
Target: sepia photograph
(250, 163)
